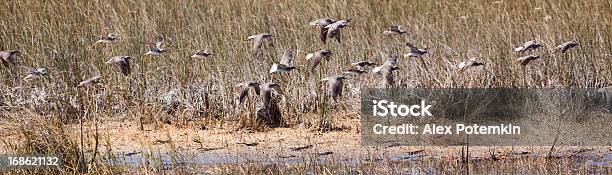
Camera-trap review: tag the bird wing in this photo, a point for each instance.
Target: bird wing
(358, 63)
(462, 65)
(287, 57)
(29, 69)
(323, 34)
(244, 92)
(200, 53)
(158, 45)
(394, 28)
(529, 43)
(336, 34)
(388, 75)
(315, 62)
(256, 44)
(336, 88)
(159, 42)
(89, 81)
(412, 47)
(125, 67)
(4, 62)
(4, 54)
(257, 89)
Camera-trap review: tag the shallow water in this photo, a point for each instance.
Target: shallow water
(408, 162)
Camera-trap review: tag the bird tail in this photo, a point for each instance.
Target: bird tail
(519, 49)
(309, 56)
(274, 68)
(376, 69)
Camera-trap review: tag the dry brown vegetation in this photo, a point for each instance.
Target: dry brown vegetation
(174, 88)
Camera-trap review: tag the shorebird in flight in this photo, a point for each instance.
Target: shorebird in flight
(94, 80)
(526, 59)
(363, 63)
(202, 54)
(285, 63)
(258, 41)
(266, 91)
(122, 62)
(387, 73)
(390, 61)
(357, 67)
(321, 24)
(415, 51)
(566, 46)
(335, 83)
(8, 57)
(156, 49)
(472, 62)
(316, 57)
(106, 39)
(394, 30)
(333, 30)
(529, 45)
(34, 73)
(245, 88)
(354, 70)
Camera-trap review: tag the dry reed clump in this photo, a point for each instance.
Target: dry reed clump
(37, 135)
(57, 35)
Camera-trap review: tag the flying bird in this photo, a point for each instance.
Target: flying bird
(335, 84)
(415, 51)
(526, 59)
(529, 45)
(8, 57)
(389, 62)
(472, 62)
(258, 41)
(315, 58)
(94, 80)
(566, 46)
(354, 70)
(363, 63)
(106, 39)
(285, 63)
(387, 73)
(321, 24)
(34, 73)
(157, 49)
(122, 62)
(266, 91)
(333, 30)
(202, 54)
(245, 88)
(394, 30)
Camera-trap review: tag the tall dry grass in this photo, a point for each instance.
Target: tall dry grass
(58, 35)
